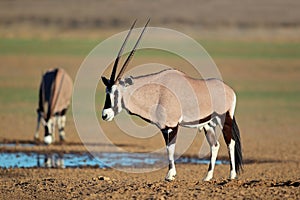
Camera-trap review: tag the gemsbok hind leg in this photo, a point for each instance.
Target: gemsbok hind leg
(170, 135)
(232, 138)
(214, 148)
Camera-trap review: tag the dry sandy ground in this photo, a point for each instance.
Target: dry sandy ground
(259, 181)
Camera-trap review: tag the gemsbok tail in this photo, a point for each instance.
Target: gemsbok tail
(238, 147)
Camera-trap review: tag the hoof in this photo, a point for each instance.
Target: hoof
(169, 179)
(207, 179)
(171, 175)
(209, 176)
(233, 176)
(62, 138)
(36, 137)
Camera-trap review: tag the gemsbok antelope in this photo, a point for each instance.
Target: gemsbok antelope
(169, 99)
(54, 98)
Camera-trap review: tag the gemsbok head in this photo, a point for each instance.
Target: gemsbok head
(54, 98)
(169, 99)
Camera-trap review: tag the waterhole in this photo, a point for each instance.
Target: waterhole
(101, 160)
(80, 160)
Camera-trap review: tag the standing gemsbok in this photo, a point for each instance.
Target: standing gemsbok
(54, 98)
(169, 99)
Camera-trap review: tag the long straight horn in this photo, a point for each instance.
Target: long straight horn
(113, 73)
(131, 53)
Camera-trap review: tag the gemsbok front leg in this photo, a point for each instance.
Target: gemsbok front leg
(170, 135)
(61, 122)
(36, 134)
(214, 148)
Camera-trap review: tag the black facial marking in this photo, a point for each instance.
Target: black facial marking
(107, 102)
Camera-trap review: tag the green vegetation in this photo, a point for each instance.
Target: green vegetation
(279, 96)
(217, 49)
(46, 47)
(252, 49)
(22, 101)
(12, 94)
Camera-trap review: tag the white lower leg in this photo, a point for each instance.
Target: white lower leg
(231, 147)
(36, 135)
(61, 122)
(50, 137)
(172, 170)
(214, 153)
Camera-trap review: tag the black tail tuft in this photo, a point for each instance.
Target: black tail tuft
(238, 147)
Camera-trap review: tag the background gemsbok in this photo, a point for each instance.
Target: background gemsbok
(169, 99)
(54, 98)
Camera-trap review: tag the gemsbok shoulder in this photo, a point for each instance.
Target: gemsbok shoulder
(54, 98)
(169, 99)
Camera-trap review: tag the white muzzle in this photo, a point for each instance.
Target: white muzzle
(108, 114)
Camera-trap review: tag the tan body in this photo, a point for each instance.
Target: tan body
(170, 97)
(63, 91)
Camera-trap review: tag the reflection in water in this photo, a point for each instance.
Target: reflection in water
(50, 160)
(101, 160)
(32, 159)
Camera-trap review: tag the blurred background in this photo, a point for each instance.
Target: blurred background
(255, 44)
(56, 18)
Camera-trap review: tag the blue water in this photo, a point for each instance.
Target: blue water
(25, 160)
(101, 160)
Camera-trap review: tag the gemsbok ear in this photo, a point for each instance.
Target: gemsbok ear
(105, 81)
(128, 81)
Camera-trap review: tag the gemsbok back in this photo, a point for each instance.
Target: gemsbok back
(54, 98)
(169, 99)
